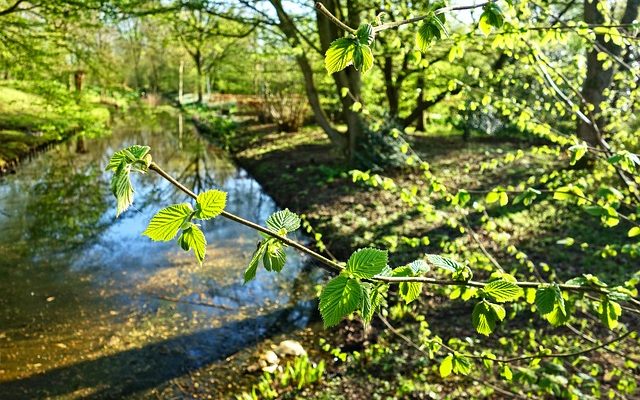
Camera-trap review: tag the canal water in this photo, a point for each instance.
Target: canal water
(90, 308)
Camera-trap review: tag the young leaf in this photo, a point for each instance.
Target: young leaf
(122, 188)
(366, 263)
(371, 300)
(409, 291)
(193, 238)
(283, 220)
(491, 18)
(502, 290)
(485, 315)
(128, 155)
(365, 34)
(609, 312)
(165, 224)
(461, 365)
(210, 204)
(419, 267)
(446, 366)
(546, 298)
(250, 273)
(444, 263)
(274, 256)
(551, 305)
(362, 58)
(430, 29)
(339, 298)
(577, 152)
(633, 232)
(340, 54)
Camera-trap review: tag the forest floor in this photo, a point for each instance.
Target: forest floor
(32, 119)
(301, 171)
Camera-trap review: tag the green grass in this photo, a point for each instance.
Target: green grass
(29, 120)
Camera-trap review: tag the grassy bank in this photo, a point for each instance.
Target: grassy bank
(35, 115)
(301, 171)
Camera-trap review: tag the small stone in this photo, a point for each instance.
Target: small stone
(270, 357)
(290, 348)
(270, 368)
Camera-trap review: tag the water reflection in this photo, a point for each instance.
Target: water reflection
(76, 284)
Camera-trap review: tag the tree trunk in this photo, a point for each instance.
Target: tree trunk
(422, 106)
(390, 87)
(598, 79)
(180, 81)
(287, 27)
(420, 124)
(348, 78)
(198, 60)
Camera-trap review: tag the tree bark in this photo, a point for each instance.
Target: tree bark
(348, 78)
(598, 79)
(287, 27)
(198, 60)
(420, 123)
(390, 87)
(425, 105)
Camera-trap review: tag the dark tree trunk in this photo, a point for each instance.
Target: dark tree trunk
(348, 78)
(390, 87)
(598, 79)
(287, 27)
(198, 60)
(420, 123)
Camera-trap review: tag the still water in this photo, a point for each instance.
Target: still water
(89, 308)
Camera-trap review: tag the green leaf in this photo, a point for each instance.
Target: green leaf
(419, 267)
(430, 29)
(577, 152)
(446, 366)
(462, 197)
(371, 301)
(283, 220)
(546, 298)
(339, 298)
(461, 365)
(340, 54)
(410, 291)
(551, 305)
(210, 204)
(128, 156)
(365, 34)
(633, 232)
(502, 290)
(165, 224)
(485, 315)
(362, 58)
(444, 263)
(504, 199)
(491, 18)
(497, 196)
(366, 263)
(122, 189)
(193, 238)
(492, 197)
(609, 312)
(274, 256)
(250, 273)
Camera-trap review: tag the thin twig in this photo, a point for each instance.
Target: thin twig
(331, 266)
(320, 7)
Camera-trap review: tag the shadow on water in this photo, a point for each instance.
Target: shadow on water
(128, 372)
